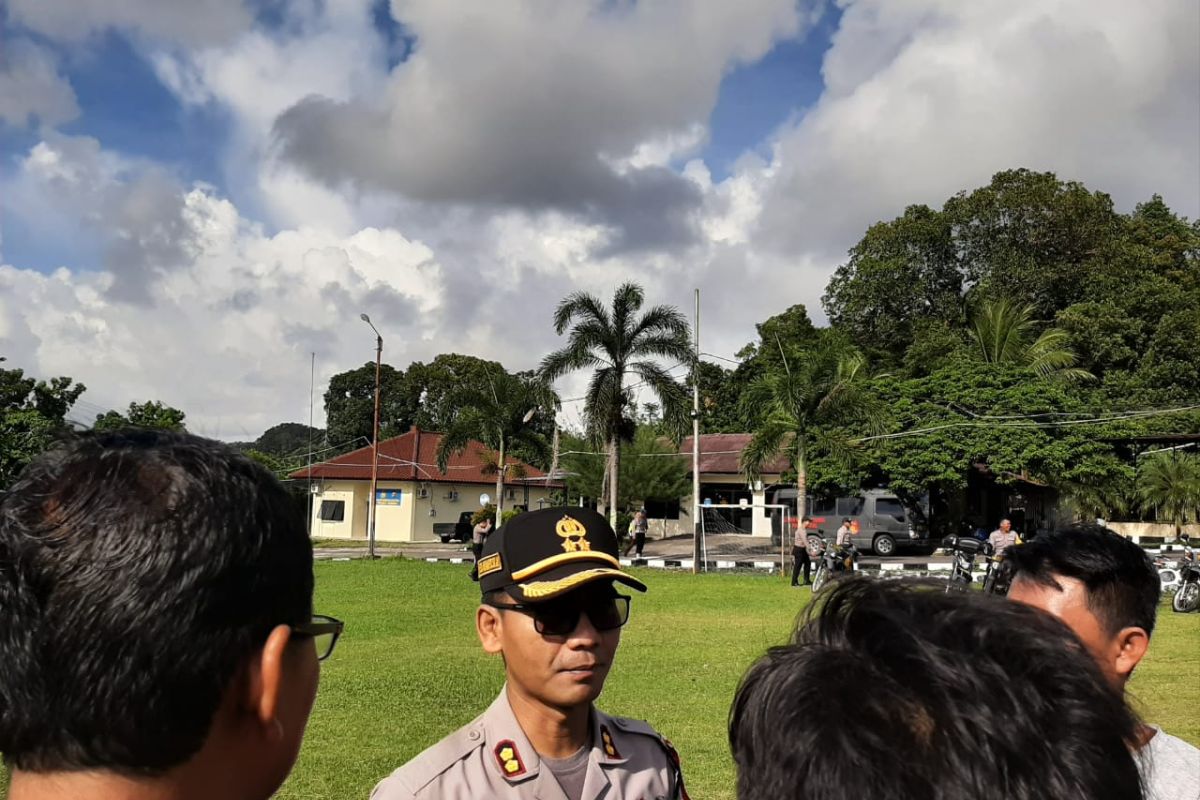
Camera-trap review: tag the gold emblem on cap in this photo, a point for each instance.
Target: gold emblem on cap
(573, 534)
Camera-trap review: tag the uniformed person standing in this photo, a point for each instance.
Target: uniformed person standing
(550, 607)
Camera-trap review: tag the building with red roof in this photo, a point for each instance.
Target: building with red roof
(413, 495)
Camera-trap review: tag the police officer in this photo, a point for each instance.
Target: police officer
(550, 607)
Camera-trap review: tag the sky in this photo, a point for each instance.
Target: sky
(196, 197)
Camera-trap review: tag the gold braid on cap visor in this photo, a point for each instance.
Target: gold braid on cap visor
(562, 558)
(547, 588)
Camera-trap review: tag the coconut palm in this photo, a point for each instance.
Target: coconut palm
(1170, 482)
(795, 408)
(1002, 333)
(497, 413)
(616, 344)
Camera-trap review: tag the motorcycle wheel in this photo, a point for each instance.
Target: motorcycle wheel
(1187, 598)
(820, 578)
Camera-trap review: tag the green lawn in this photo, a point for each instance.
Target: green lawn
(409, 670)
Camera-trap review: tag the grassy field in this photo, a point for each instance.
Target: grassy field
(409, 669)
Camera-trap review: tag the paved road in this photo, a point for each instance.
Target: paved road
(732, 547)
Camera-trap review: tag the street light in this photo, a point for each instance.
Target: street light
(374, 441)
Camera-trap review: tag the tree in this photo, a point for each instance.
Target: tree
(651, 469)
(151, 414)
(1170, 483)
(496, 411)
(288, 439)
(615, 345)
(797, 407)
(435, 385)
(32, 415)
(350, 405)
(903, 272)
(1002, 333)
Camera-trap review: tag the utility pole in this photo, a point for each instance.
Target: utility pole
(374, 442)
(698, 532)
(312, 377)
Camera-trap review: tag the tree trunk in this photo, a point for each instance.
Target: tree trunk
(801, 481)
(614, 466)
(499, 485)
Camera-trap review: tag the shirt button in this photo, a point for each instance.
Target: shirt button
(473, 735)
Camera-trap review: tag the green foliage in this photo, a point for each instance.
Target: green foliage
(289, 439)
(616, 343)
(650, 470)
(802, 406)
(1002, 333)
(488, 513)
(1170, 484)
(272, 462)
(999, 415)
(350, 405)
(151, 414)
(32, 415)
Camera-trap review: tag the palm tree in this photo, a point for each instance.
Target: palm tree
(615, 345)
(1171, 483)
(796, 407)
(1002, 333)
(497, 413)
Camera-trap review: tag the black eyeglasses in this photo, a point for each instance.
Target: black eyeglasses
(324, 632)
(560, 619)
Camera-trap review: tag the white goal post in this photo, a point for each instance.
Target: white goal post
(786, 508)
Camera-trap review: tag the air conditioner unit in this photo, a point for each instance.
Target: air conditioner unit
(422, 493)
(315, 488)
(452, 495)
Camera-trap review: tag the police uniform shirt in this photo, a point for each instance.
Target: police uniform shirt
(491, 758)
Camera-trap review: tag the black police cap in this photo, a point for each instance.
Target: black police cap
(539, 555)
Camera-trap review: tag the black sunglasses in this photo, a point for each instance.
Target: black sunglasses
(324, 632)
(560, 619)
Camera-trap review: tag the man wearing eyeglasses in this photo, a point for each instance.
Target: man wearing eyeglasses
(156, 629)
(550, 608)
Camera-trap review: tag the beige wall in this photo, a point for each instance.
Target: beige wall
(411, 520)
(1160, 529)
(685, 524)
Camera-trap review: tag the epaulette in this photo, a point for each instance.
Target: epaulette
(419, 772)
(645, 729)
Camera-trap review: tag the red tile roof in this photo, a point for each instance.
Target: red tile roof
(413, 457)
(721, 453)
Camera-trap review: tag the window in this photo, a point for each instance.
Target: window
(849, 506)
(333, 510)
(823, 507)
(889, 507)
(662, 509)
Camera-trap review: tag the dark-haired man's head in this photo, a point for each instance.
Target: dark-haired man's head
(896, 690)
(1101, 584)
(151, 584)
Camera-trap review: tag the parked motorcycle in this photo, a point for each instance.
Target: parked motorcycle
(832, 560)
(964, 550)
(1187, 596)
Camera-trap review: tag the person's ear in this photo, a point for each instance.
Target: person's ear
(266, 681)
(1132, 644)
(488, 624)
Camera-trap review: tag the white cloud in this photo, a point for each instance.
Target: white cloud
(31, 87)
(929, 97)
(227, 334)
(464, 193)
(191, 22)
(533, 106)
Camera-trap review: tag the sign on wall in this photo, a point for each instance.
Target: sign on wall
(387, 497)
